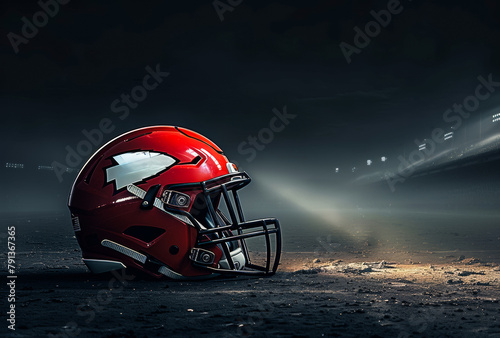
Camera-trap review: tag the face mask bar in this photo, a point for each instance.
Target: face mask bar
(235, 225)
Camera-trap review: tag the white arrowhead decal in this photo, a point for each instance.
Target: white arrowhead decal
(137, 166)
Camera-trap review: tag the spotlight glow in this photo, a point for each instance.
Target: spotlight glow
(321, 206)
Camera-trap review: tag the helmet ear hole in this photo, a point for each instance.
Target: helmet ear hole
(174, 250)
(144, 233)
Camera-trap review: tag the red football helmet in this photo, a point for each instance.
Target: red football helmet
(152, 199)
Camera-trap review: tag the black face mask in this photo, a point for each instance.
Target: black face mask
(229, 232)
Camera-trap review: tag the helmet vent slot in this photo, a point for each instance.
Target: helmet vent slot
(194, 161)
(141, 135)
(146, 234)
(91, 172)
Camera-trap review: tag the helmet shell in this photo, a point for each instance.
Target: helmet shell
(104, 210)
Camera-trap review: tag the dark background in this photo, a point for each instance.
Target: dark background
(227, 76)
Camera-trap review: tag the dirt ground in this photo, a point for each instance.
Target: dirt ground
(369, 291)
(309, 297)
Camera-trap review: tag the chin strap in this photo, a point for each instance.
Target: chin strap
(135, 190)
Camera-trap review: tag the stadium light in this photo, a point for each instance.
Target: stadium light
(353, 169)
(336, 170)
(369, 162)
(423, 146)
(14, 165)
(383, 158)
(496, 117)
(448, 136)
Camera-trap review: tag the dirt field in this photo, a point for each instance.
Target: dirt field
(314, 294)
(328, 298)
